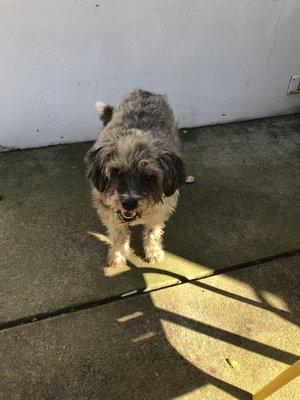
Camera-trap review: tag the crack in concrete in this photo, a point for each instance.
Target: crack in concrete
(181, 280)
(275, 37)
(244, 93)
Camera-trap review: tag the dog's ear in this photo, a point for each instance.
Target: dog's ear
(95, 171)
(96, 159)
(174, 171)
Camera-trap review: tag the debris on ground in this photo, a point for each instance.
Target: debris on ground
(232, 363)
(189, 179)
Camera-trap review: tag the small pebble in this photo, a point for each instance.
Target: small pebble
(189, 179)
(185, 131)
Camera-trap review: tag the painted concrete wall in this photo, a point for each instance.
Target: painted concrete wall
(218, 61)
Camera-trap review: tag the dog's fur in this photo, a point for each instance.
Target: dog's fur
(136, 157)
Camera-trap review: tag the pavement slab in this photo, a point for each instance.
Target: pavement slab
(242, 207)
(223, 337)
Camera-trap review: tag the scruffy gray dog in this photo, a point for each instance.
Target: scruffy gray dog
(135, 169)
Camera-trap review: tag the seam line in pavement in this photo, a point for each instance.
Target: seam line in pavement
(182, 280)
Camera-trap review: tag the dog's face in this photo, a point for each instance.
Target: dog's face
(133, 173)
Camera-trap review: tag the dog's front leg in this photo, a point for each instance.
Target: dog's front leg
(153, 243)
(120, 245)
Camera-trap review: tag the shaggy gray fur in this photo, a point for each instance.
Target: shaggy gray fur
(135, 169)
(146, 111)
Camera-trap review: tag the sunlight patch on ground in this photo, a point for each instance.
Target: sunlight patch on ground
(274, 301)
(128, 317)
(175, 269)
(143, 337)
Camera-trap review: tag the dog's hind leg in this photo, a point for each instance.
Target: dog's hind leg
(153, 242)
(120, 245)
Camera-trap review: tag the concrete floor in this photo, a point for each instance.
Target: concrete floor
(67, 332)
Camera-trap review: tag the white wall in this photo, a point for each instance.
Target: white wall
(218, 61)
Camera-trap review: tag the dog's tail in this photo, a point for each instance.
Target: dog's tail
(104, 111)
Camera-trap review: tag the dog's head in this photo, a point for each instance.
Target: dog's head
(133, 172)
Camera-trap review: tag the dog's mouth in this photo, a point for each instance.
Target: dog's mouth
(128, 216)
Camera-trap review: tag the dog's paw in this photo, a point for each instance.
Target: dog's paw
(116, 264)
(155, 256)
(116, 260)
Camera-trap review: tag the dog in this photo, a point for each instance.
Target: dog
(135, 168)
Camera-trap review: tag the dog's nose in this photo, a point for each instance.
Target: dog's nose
(129, 203)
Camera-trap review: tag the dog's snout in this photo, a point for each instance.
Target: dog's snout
(129, 203)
